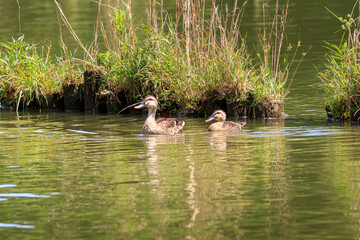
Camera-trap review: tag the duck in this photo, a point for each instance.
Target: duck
(221, 125)
(161, 126)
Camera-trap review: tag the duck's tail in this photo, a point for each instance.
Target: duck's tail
(182, 123)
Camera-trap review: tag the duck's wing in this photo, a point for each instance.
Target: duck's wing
(234, 126)
(170, 124)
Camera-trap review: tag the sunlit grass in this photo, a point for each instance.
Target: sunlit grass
(340, 79)
(184, 60)
(191, 59)
(27, 73)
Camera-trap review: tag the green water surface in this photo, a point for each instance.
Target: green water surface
(85, 176)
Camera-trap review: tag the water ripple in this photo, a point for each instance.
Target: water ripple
(23, 195)
(295, 132)
(83, 132)
(13, 166)
(14, 225)
(7, 185)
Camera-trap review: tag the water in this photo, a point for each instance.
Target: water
(85, 176)
(76, 176)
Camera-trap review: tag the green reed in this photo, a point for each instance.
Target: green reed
(27, 72)
(193, 58)
(279, 59)
(185, 60)
(340, 79)
(180, 68)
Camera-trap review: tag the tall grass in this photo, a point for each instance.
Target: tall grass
(197, 56)
(279, 59)
(194, 58)
(30, 73)
(27, 73)
(340, 79)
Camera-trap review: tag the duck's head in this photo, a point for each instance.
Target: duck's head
(148, 102)
(218, 115)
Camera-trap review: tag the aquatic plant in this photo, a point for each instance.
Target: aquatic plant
(27, 72)
(340, 78)
(182, 68)
(279, 59)
(190, 61)
(72, 69)
(196, 60)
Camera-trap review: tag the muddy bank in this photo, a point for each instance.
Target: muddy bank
(266, 109)
(90, 96)
(343, 113)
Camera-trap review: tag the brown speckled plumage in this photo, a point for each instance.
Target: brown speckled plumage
(163, 126)
(223, 126)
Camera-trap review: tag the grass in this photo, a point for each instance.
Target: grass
(193, 59)
(186, 61)
(279, 59)
(340, 79)
(29, 75)
(181, 69)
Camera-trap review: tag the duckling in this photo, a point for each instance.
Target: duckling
(222, 125)
(165, 126)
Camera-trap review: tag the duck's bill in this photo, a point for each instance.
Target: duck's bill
(210, 118)
(140, 105)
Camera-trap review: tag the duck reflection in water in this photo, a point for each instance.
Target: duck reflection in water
(218, 141)
(152, 143)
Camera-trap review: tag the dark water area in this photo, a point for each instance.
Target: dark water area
(85, 176)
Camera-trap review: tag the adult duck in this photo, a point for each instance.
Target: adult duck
(221, 125)
(164, 126)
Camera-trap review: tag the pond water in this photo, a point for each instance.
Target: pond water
(86, 176)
